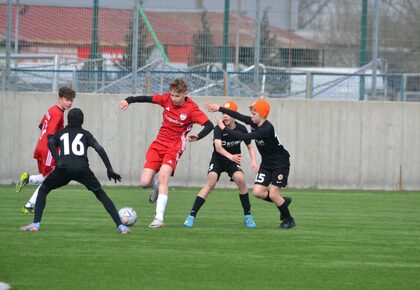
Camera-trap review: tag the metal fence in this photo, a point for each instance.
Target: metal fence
(344, 49)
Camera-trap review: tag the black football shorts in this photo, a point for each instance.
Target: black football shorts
(277, 176)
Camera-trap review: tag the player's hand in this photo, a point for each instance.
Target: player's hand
(192, 137)
(113, 175)
(211, 107)
(237, 158)
(220, 123)
(255, 166)
(123, 104)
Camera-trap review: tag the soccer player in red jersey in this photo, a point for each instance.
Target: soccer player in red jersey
(179, 115)
(52, 122)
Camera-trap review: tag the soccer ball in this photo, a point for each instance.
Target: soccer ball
(128, 216)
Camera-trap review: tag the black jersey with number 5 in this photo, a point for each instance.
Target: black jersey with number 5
(273, 154)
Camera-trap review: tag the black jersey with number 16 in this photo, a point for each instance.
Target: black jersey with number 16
(74, 142)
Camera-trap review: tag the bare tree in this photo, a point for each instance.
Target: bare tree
(143, 51)
(203, 44)
(335, 25)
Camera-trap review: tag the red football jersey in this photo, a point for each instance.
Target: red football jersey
(177, 121)
(52, 121)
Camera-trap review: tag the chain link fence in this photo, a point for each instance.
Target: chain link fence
(320, 49)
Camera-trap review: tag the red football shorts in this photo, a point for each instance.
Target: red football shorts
(46, 163)
(157, 155)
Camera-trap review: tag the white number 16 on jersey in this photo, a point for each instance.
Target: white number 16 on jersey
(77, 146)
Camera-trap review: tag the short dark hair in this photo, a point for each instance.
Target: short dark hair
(179, 86)
(66, 92)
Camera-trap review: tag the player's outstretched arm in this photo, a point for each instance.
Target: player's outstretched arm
(123, 104)
(238, 116)
(211, 107)
(260, 133)
(110, 172)
(208, 127)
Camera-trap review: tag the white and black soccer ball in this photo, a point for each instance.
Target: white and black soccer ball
(128, 216)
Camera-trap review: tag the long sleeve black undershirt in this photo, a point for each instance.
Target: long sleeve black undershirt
(236, 115)
(259, 133)
(102, 153)
(208, 127)
(139, 99)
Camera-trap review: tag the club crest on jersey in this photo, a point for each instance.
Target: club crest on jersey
(183, 116)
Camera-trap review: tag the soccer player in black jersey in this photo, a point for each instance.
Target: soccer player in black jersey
(275, 165)
(72, 164)
(227, 158)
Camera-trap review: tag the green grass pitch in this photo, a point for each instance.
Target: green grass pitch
(344, 240)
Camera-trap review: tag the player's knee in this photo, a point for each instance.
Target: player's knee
(241, 183)
(98, 191)
(259, 193)
(145, 183)
(210, 186)
(239, 178)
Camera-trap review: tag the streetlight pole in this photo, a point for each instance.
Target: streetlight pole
(363, 48)
(238, 28)
(6, 75)
(376, 11)
(257, 49)
(135, 47)
(16, 46)
(225, 35)
(94, 44)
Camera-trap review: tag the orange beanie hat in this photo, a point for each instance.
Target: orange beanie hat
(230, 105)
(262, 107)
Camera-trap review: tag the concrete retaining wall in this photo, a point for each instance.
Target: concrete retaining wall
(333, 144)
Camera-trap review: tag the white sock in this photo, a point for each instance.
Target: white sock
(36, 179)
(161, 205)
(32, 200)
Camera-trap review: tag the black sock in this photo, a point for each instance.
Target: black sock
(268, 198)
(284, 211)
(246, 205)
(108, 205)
(199, 201)
(40, 203)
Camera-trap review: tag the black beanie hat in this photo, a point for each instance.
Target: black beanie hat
(75, 117)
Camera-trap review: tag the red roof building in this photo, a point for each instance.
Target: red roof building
(67, 31)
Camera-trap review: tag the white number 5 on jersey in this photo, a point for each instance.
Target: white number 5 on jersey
(259, 178)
